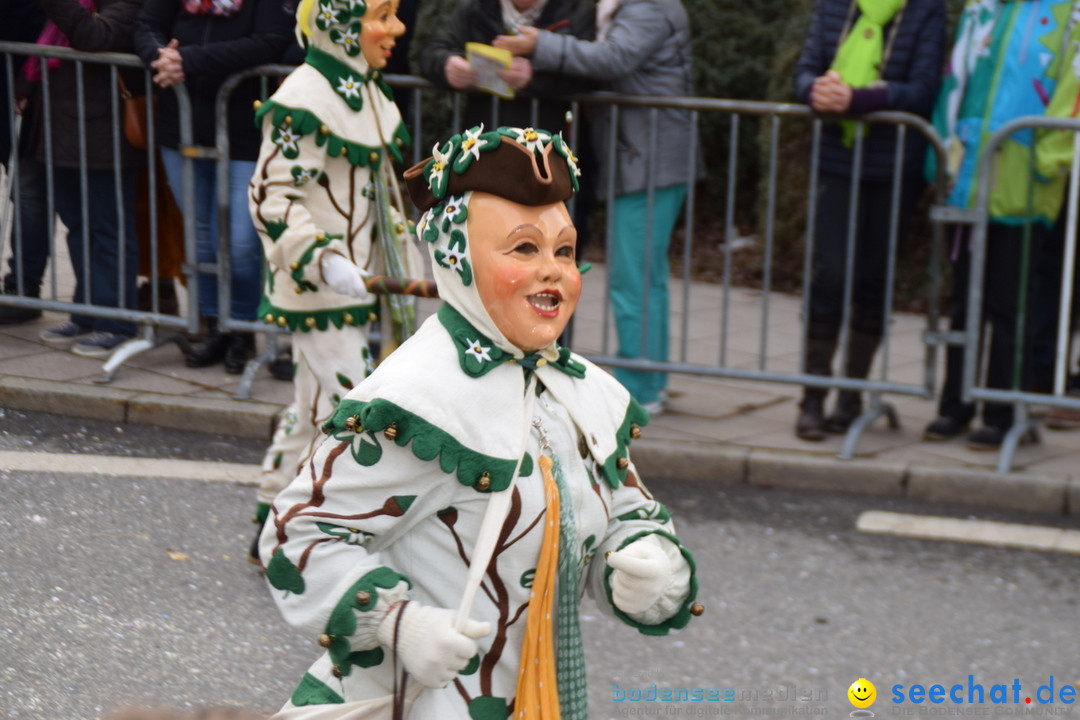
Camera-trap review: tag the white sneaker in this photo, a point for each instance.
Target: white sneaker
(99, 344)
(66, 334)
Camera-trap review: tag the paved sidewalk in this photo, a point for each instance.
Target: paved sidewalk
(725, 431)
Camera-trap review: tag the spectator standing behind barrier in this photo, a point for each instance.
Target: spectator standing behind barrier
(442, 58)
(839, 71)
(201, 43)
(1054, 156)
(1003, 66)
(21, 22)
(107, 245)
(642, 48)
(330, 135)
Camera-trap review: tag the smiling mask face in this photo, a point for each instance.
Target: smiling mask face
(360, 33)
(523, 261)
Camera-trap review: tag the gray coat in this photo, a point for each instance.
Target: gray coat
(646, 52)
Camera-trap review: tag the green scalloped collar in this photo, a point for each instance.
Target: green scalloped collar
(306, 122)
(360, 422)
(479, 356)
(345, 80)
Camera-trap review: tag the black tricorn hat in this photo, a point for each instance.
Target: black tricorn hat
(526, 166)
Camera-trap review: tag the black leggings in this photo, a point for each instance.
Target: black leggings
(871, 252)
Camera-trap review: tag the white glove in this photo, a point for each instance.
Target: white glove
(429, 647)
(642, 572)
(342, 276)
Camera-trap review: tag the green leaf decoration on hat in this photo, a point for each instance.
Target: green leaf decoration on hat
(348, 38)
(473, 142)
(329, 14)
(357, 8)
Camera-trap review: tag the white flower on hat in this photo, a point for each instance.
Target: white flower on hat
(326, 12)
(471, 144)
(349, 38)
(438, 167)
(565, 151)
(530, 138)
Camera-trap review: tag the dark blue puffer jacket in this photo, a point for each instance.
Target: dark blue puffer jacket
(912, 75)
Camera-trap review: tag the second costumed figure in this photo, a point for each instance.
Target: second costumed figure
(323, 200)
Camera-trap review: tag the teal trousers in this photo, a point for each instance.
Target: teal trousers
(641, 303)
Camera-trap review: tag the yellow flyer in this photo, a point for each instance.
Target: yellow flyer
(486, 61)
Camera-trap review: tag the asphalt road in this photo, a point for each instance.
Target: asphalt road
(137, 590)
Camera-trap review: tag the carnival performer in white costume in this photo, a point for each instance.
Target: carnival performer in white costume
(474, 486)
(321, 191)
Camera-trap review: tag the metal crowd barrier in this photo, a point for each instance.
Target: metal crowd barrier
(685, 359)
(156, 328)
(1019, 395)
(723, 366)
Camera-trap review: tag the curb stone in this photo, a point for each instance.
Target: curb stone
(1031, 493)
(798, 471)
(698, 461)
(240, 418)
(1072, 496)
(719, 463)
(91, 402)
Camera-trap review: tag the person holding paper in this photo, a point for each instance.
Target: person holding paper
(479, 481)
(642, 48)
(443, 59)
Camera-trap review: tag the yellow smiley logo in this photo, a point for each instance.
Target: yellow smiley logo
(862, 693)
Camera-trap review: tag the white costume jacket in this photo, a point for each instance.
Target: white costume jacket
(391, 503)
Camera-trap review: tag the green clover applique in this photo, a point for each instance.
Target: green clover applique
(288, 140)
(302, 176)
(328, 15)
(349, 39)
(454, 211)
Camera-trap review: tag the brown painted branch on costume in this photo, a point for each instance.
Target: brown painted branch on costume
(387, 285)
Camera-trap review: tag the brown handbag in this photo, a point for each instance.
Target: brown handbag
(135, 129)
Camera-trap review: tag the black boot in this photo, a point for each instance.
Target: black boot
(810, 424)
(282, 366)
(253, 552)
(849, 405)
(241, 348)
(212, 350)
